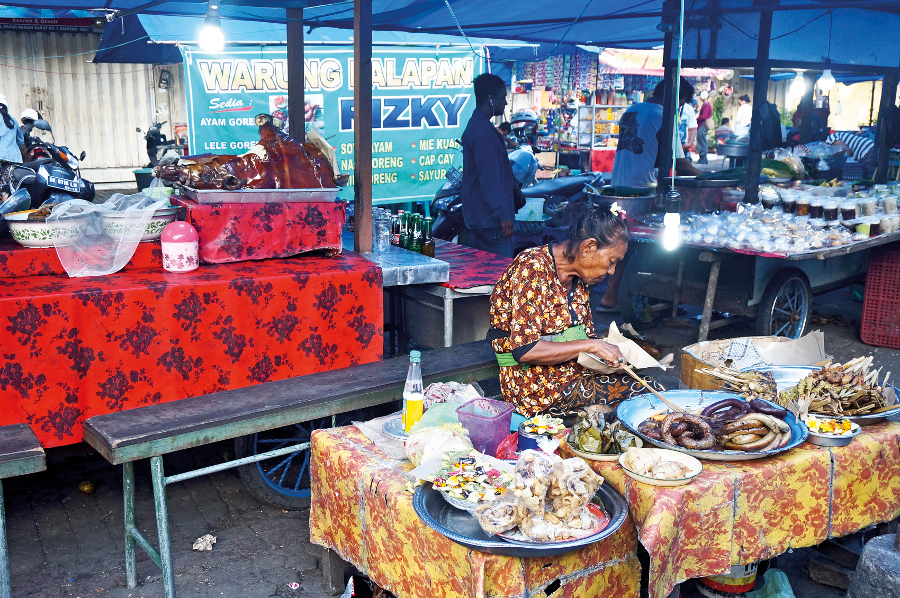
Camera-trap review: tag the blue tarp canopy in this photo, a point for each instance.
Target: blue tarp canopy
(153, 38)
(845, 78)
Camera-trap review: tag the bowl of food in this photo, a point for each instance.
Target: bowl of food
(31, 229)
(466, 480)
(660, 467)
(603, 442)
(539, 426)
(831, 431)
(117, 224)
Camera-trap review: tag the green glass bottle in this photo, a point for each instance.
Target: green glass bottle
(415, 237)
(427, 239)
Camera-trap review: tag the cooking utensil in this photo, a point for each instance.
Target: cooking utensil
(671, 405)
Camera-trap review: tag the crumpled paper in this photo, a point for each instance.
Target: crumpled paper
(637, 357)
(205, 542)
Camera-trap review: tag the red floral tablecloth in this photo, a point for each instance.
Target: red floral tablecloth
(73, 348)
(17, 261)
(254, 231)
(361, 510)
(470, 267)
(743, 512)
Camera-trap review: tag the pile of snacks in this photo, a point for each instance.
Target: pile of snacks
(601, 438)
(839, 389)
(836, 427)
(547, 500)
(464, 476)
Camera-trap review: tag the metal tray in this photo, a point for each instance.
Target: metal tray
(635, 410)
(461, 527)
(787, 376)
(261, 195)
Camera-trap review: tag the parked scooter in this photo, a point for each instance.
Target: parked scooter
(447, 204)
(157, 144)
(51, 174)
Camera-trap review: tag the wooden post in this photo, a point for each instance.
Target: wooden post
(670, 102)
(888, 99)
(761, 73)
(296, 74)
(362, 125)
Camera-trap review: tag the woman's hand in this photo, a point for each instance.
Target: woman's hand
(605, 351)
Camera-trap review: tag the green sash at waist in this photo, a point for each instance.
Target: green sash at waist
(572, 333)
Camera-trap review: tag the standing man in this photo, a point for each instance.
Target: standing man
(687, 126)
(744, 116)
(637, 159)
(487, 186)
(703, 120)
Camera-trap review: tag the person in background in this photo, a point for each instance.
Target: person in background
(487, 187)
(724, 132)
(506, 130)
(704, 118)
(861, 148)
(817, 130)
(744, 115)
(687, 127)
(11, 143)
(637, 158)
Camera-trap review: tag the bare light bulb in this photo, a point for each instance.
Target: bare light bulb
(826, 81)
(798, 87)
(671, 231)
(211, 37)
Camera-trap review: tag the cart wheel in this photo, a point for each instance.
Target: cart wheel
(284, 481)
(786, 305)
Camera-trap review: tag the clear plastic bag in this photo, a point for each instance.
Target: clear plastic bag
(90, 249)
(499, 515)
(533, 478)
(433, 442)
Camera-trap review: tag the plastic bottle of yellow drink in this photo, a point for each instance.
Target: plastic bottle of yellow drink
(413, 395)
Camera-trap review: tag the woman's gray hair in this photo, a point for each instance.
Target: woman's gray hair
(600, 223)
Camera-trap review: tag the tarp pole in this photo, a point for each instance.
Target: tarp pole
(362, 125)
(296, 74)
(670, 102)
(761, 73)
(888, 100)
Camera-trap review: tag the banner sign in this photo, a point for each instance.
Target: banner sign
(422, 99)
(40, 24)
(643, 62)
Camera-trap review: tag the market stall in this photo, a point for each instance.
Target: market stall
(763, 263)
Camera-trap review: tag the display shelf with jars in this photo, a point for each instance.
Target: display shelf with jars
(598, 125)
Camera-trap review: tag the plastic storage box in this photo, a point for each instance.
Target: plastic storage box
(487, 421)
(881, 304)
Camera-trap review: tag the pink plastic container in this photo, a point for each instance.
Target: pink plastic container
(487, 421)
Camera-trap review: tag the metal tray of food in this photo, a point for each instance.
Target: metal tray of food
(787, 376)
(635, 410)
(261, 195)
(461, 527)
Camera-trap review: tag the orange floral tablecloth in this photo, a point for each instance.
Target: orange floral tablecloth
(743, 512)
(362, 511)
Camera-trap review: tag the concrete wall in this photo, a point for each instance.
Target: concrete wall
(92, 107)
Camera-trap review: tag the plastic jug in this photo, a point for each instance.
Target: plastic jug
(533, 210)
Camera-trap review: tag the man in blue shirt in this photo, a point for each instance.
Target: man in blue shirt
(487, 186)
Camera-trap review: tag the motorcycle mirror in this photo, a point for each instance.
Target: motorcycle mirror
(42, 124)
(82, 156)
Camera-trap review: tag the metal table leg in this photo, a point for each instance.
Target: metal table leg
(5, 581)
(448, 321)
(715, 263)
(162, 526)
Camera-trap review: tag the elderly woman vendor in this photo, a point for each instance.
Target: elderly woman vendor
(541, 320)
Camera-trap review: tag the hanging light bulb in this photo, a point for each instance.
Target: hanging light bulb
(211, 38)
(798, 87)
(672, 221)
(826, 81)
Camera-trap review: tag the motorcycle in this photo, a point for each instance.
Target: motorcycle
(51, 174)
(557, 194)
(157, 144)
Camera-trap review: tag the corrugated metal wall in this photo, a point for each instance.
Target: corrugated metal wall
(92, 107)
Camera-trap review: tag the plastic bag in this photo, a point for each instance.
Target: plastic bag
(788, 156)
(451, 392)
(96, 245)
(574, 485)
(499, 515)
(775, 585)
(433, 442)
(534, 475)
(549, 528)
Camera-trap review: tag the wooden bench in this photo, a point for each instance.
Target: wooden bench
(153, 431)
(20, 454)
